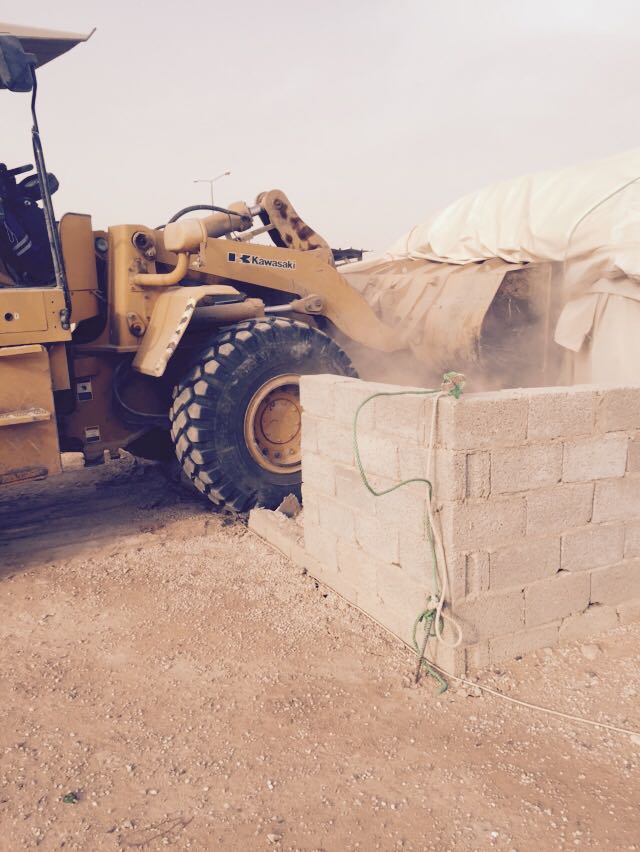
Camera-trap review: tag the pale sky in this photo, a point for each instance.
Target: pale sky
(369, 115)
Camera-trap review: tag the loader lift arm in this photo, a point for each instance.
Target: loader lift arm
(300, 263)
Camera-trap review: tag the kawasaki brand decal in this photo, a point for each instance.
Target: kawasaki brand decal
(255, 260)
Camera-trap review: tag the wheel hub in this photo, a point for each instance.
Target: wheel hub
(272, 425)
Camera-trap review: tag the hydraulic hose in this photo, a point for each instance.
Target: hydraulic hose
(193, 207)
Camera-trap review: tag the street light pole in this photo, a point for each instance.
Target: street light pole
(211, 182)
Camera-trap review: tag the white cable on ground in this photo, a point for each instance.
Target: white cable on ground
(540, 707)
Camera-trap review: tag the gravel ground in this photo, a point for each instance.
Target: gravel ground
(182, 685)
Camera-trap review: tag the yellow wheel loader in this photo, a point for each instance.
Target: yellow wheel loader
(186, 338)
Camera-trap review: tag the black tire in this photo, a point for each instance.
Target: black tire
(210, 403)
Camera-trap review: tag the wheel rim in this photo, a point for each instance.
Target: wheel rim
(272, 425)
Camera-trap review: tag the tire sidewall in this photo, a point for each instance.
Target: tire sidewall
(240, 361)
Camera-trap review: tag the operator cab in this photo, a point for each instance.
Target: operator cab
(24, 243)
(30, 246)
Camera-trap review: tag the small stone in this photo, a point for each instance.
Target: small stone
(274, 838)
(590, 652)
(635, 739)
(152, 792)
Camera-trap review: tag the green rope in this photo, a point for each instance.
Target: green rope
(428, 617)
(453, 384)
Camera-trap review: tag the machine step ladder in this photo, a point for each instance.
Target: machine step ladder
(28, 432)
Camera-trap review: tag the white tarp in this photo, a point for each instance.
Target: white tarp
(547, 216)
(584, 219)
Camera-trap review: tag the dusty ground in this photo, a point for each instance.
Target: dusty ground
(194, 691)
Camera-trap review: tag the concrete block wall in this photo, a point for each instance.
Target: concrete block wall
(538, 499)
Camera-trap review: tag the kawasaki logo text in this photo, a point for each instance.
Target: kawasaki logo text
(254, 260)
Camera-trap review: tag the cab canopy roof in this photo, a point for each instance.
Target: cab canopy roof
(44, 44)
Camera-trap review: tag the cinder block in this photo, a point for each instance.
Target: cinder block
(456, 575)
(399, 592)
(490, 614)
(616, 583)
(416, 557)
(413, 461)
(599, 457)
(320, 544)
(348, 395)
(335, 442)
(448, 476)
(523, 468)
(379, 456)
(584, 625)
(617, 499)
(477, 656)
(357, 568)
(477, 474)
(402, 416)
(592, 546)
(618, 408)
(318, 473)
(336, 519)
(377, 538)
(525, 563)
(298, 553)
(451, 660)
(398, 623)
(486, 523)
(259, 521)
(276, 529)
(351, 491)
(476, 573)
(633, 458)
(309, 434)
(516, 644)
(632, 539)
(484, 420)
(316, 395)
(556, 597)
(404, 507)
(629, 613)
(559, 508)
(368, 601)
(555, 415)
(310, 505)
(318, 570)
